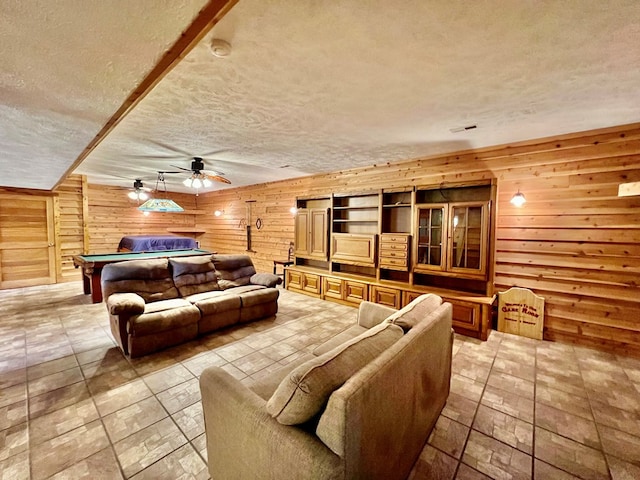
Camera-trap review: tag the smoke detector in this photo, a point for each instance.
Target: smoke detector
(220, 48)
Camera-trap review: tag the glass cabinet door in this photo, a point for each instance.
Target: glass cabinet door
(431, 229)
(467, 239)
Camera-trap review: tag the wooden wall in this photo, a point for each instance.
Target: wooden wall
(113, 215)
(575, 242)
(70, 213)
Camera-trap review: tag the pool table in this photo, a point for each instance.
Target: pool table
(92, 265)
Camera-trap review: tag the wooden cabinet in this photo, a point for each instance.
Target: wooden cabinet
(311, 232)
(306, 282)
(394, 251)
(391, 297)
(345, 290)
(452, 238)
(354, 249)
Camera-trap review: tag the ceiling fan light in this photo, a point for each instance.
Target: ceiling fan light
(143, 196)
(133, 195)
(206, 182)
(187, 182)
(196, 183)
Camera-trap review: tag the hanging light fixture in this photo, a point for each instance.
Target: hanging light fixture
(160, 204)
(138, 192)
(518, 199)
(197, 180)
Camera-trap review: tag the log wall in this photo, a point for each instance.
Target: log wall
(574, 242)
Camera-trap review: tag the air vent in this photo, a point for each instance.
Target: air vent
(462, 129)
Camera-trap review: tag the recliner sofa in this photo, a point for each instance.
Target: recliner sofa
(161, 302)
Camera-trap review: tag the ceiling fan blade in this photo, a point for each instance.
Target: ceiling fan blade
(218, 178)
(213, 172)
(181, 168)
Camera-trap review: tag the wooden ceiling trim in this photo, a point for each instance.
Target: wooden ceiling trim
(206, 19)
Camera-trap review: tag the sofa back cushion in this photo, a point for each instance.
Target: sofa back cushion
(415, 312)
(150, 278)
(305, 391)
(193, 275)
(233, 270)
(393, 402)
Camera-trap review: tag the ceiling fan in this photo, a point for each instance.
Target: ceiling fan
(139, 191)
(199, 177)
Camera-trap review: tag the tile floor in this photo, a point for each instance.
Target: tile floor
(72, 406)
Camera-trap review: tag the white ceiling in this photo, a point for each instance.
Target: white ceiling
(309, 86)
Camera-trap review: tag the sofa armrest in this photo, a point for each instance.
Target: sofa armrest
(129, 303)
(371, 314)
(266, 279)
(244, 441)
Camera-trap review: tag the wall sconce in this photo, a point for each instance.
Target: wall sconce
(217, 213)
(293, 210)
(518, 199)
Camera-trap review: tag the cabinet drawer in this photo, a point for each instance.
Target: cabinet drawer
(332, 287)
(465, 315)
(386, 296)
(393, 262)
(393, 254)
(408, 297)
(401, 247)
(294, 279)
(355, 292)
(311, 283)
(394, 238)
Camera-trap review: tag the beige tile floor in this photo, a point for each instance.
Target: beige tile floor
(72, 406)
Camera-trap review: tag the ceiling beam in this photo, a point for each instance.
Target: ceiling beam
(206, 19)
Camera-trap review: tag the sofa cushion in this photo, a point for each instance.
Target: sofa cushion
(194, 274)
(257, 297)
(342, 337)
(163, 315)
(266, 279)
(233, 270)
(304, 392)
(127, 303)
(415, 312)
(212, 304)
(149, 278)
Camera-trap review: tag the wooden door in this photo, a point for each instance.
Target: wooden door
(302, 233)
(27, 236)
(318, 233)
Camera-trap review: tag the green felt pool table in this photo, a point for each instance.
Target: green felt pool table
(92, 265)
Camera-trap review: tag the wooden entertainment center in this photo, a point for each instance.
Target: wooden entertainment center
(390, 246)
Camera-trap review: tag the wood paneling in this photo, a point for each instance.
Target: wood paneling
(70, 213)
(574, 242)
(112, 215)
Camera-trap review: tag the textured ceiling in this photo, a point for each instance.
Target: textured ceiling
(309, 86)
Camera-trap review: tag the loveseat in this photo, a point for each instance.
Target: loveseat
(160, 302)
(360, 407)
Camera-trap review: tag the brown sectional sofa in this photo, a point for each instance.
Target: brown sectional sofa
(360, 407)
(157, 303)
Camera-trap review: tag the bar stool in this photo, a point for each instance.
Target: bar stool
(284, 263)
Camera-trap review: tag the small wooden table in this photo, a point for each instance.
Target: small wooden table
(92, 265)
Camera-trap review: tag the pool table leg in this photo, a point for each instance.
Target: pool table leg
(96, 289)
(91, 283)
